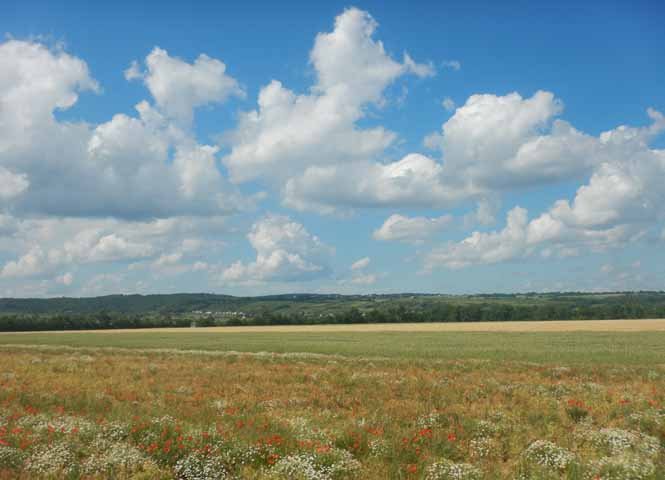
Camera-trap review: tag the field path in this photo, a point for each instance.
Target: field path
(641, 325)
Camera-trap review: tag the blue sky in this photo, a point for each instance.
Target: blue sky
(448, 147)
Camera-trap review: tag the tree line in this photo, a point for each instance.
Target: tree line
(441, 312)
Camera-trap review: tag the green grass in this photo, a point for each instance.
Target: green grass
(572, 347)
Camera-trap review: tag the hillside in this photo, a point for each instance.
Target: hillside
(184, 309)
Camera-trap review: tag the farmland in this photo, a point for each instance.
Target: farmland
(342, 402)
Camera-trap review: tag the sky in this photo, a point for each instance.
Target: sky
(375, 147)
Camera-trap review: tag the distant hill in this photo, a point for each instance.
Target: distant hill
(198, 309)
(190, 302)
(112, 303)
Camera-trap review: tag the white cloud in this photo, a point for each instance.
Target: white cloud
(621, 202)
(65, 279)
(359, 274)
(36, 81)
(484, 248)
(421, 70)
(485, 213)
(364, 279)
(11, 184)
(122, 167)
(607, 268)
(410, 229)
(8, 225)
(487, 132)
(134, 72)
(521, 238)
(413, 181)
(140, 188)
(200, 266)
(97, 246)
(627, 191)
(453, 64)
(622, 199)
(285, 251)
(175, 262)
(360, 264)
(46, 247)
(491, 144)
(494, 143)
(32, 263)
(179, 87)
(448, 103)
(289, 132)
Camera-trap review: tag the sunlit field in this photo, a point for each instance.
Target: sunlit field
(333, 405)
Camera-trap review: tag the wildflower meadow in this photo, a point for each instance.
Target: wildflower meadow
(88, 413)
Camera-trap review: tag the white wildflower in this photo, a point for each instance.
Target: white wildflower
(11, 458)
(622, 467)
(549, 455)
(117, 458)
(53, 460)
(447, 470)
(616, 441)
(198, 466)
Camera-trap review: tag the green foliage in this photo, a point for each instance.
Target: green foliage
(185, 310)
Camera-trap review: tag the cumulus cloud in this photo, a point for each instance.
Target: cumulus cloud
(32, 263)
(410, 229)
(130, 166)
(97, 246)
(496, 143)
(490, 145)
(620, 204)
(179, 259)
(65, 279)
(607, 268)
(359, 274)
(285, 251)
(8, 225)
(448, 103)
(522, 238)
(48, 248)
(485, 213)
(179, 87)
(87, 246)
(364, 279)
(453, 64)
(360, 264)
(484, 248)
(413, 181)
(37, 80)
(303, 143)
(140, 189)
(290, 131)
(623, 198)
(11, 184)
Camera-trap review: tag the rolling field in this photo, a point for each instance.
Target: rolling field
(561, 400)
